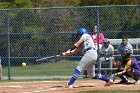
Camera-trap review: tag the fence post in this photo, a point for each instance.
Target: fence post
(8, 41)
(98, 31)
(0, 68)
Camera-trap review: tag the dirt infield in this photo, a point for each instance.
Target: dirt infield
(58, 86)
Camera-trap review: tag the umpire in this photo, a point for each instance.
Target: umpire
(124, 45)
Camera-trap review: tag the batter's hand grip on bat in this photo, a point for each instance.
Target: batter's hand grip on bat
(59, 55)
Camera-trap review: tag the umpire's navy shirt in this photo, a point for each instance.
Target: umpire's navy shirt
(121, 47)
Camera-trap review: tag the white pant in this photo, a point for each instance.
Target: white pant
(88, 61)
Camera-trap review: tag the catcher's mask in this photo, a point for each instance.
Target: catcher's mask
(127, 52)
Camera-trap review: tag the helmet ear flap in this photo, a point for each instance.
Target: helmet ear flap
(77, 35)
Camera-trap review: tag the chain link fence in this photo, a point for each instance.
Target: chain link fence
(29, 34)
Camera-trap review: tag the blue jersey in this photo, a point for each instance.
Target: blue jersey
(121, 48)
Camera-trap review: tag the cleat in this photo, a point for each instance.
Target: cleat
(69, 86)
(110, 82)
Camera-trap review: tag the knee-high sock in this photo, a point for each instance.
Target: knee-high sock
(74, 77)
(102, 77)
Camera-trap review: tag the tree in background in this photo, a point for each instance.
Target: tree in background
(107, 2)
(15, 3)
(57, 3)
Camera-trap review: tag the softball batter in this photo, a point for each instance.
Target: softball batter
(87, 46)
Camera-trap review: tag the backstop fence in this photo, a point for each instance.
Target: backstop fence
(29, 34)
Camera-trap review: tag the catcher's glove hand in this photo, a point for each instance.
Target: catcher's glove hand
(117, 64)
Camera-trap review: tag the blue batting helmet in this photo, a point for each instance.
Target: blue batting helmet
(81, 31)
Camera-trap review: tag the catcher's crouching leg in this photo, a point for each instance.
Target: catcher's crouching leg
(133, 74)
(123, 77)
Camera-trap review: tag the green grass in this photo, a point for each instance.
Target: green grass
(63, 68)
(111, 91)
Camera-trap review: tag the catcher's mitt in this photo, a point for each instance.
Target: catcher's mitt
(117, 64)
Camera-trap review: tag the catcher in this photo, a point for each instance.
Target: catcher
(131, 68)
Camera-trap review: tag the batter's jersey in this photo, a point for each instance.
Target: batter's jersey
(88, 42)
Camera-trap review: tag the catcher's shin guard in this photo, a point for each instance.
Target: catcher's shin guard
(133, 74)
(123, 78)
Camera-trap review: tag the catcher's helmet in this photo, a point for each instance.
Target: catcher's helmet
(81, 31)
(128, 51)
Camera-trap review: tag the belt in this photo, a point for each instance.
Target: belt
(89, 49)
